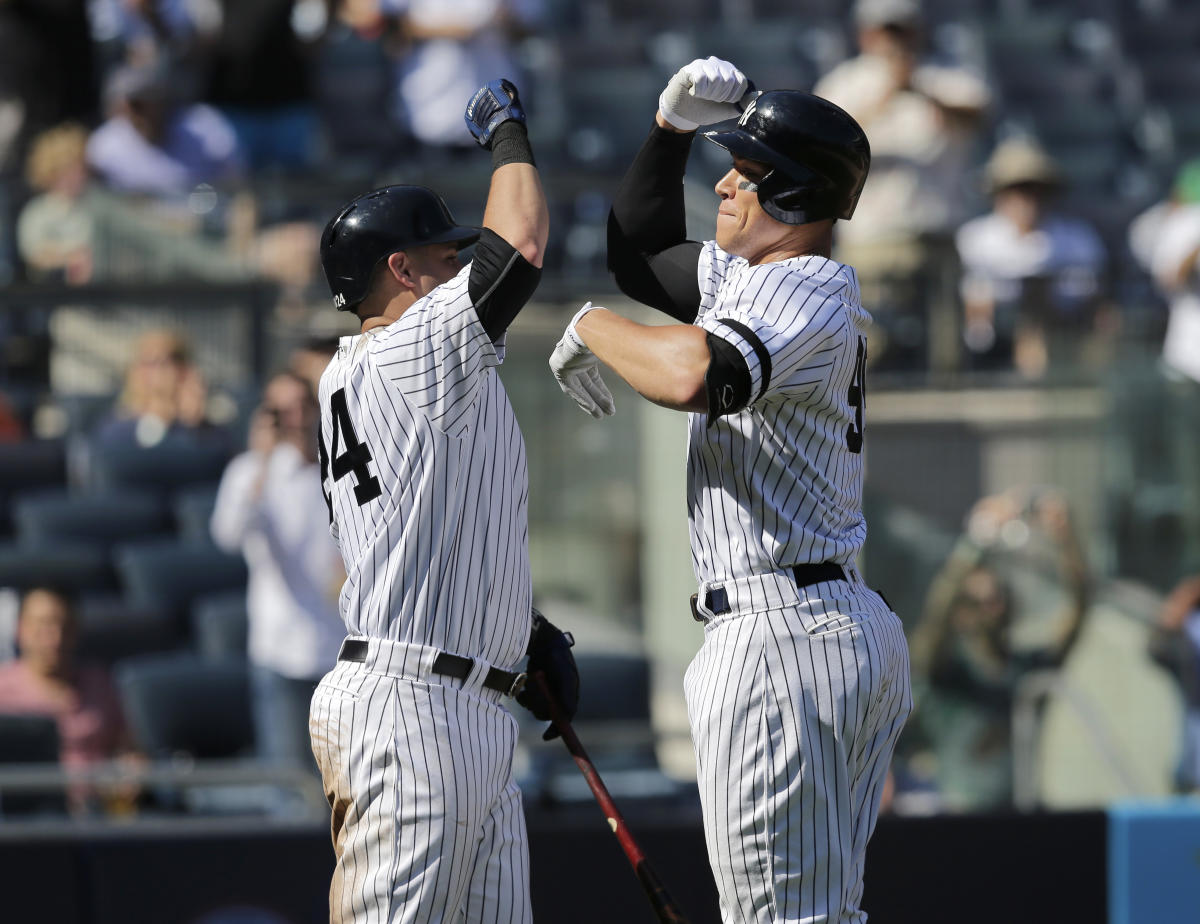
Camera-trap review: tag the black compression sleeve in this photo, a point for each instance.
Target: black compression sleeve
(648, 250)
(501, 282)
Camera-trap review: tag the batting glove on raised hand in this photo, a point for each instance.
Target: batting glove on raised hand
(705, 91)
(550, 652)
(578, 371)
(492, 104)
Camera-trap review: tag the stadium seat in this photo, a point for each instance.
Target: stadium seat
(52, 517)
(29, 739)
(163, 468)
(193, 507)
(179, 703)
(220, 625)
(111, 629)
(73, 568)
(171, 575)
(613, 722)
(26, 466)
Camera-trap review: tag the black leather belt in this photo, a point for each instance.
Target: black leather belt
(509, 683)
(716, 600)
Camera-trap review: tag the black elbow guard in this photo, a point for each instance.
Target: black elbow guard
(501, 282)
(727, 381)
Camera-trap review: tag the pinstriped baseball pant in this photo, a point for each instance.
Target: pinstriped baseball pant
(427, 821)
(795, 699)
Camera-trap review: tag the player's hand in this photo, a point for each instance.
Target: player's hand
(577, 371)
(550, 653)
(707, 90)
(493, 103)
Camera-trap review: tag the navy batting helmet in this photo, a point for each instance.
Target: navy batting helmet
(376, 225)
(818, 154)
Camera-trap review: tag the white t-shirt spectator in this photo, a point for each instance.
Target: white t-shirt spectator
(1177, 242)
(295, 569)
(997, 259)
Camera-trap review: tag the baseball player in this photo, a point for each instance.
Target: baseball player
(424, 470)
(801, 687)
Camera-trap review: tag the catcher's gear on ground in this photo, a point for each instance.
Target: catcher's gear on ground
(703, 92)
(577, 371)
(818, 154)
(494, 103)
(550, 653)
(376, 225)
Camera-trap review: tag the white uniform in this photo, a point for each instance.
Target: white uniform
(428, 486)
(799, 693)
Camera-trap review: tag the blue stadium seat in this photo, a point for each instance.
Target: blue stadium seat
(172, 575)
(111, 629)
(73, 568)
(614, 725)
(164, 468)
(193, 507)
(52, 517)
(180, 703)
(220, 625)
(29, 739)
(26, 466)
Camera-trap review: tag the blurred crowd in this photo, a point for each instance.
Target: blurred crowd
(1032, 216)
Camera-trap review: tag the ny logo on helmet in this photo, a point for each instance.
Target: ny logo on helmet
(748, 111)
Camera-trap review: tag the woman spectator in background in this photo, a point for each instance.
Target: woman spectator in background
(165, 398)
(45, 679)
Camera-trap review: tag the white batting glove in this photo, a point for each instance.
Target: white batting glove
(701, 93)
(577, 371)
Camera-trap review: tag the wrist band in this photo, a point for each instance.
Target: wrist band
(510, 145)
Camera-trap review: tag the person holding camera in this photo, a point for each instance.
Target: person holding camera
(271, 509)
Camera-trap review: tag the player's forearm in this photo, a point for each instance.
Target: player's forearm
(648, 214)
(665, 365)
(516, 210)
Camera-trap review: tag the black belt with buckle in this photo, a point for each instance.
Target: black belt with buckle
(716, 600)
(509, 683)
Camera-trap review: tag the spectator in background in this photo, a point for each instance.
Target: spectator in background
(47, 73)
(1010, 600)
(165, 398)
(46, 680)
(456, 46)
(1176, 644)
(1032, 277)
(258, 76)
(356, 86)
(153, 144)
(55, 228)
(271, 508)
(1166, 240)
(923, 121)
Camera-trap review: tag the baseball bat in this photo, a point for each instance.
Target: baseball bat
(664, 906)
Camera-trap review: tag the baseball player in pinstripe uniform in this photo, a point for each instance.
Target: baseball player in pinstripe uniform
(424, 469)
(801, 687)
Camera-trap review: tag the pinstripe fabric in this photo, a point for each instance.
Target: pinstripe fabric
(442, 557)
(427, 822)
(426, 478)
(775, 485)
(795, 711)
(797, 696)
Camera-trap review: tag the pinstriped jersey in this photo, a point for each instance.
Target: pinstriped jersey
(780, 482)
(424, 469)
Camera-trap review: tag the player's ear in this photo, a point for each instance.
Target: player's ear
(400, 268)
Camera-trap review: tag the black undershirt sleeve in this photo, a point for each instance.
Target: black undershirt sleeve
(501, 282)
(649, 254)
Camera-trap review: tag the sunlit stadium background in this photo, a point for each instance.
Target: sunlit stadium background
(1047, 780)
